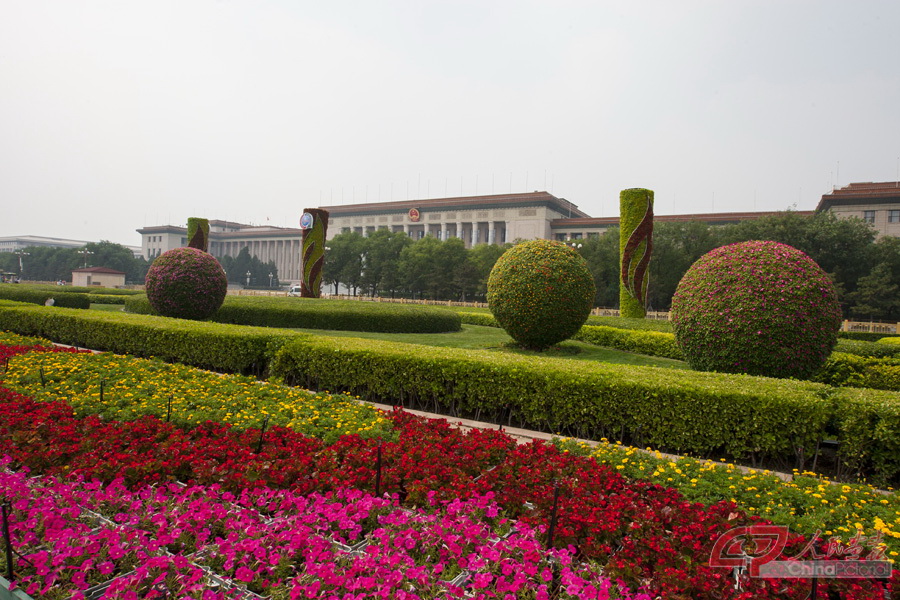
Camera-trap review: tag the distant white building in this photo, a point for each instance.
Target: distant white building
(20, 242)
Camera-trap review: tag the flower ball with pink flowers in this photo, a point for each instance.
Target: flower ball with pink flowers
(761, 308)
(186, 283)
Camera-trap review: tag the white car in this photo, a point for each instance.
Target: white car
(294, 291)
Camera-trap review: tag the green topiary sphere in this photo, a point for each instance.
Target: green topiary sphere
(541, 292)
(761, 308)
(186, 283)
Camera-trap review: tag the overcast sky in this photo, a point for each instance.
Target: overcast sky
(121, 114)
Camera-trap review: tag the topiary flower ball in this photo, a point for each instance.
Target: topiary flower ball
(541, 292)
(186, 283)
(761, 308)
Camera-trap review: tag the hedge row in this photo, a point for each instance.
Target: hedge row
(107, 298)
(849, 370)
(652, 343)
(229, 348)
(864, 336)
(706, 414)
(83, 289)
(315, 313)
(26, 293)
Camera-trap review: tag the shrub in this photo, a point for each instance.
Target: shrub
(863, 348)
(761, 308)
(651, 343)
(541, 293)
(319, 313)
(186, 283)
(31, 295)
(851, 370)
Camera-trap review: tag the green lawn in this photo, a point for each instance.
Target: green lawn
(493, 339)
(115, 307)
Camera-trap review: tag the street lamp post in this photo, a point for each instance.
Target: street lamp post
(248, 278)
(20, 254)
(270, 279)
(86, 253)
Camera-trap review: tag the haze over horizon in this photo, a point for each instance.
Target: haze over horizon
(119, 115)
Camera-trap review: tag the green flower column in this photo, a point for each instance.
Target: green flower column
(315, 226)
(198, 233)
(635, 248)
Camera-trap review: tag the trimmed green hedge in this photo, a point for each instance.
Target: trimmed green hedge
(83, 289)
(31, 295)
(207, 345)
(862, 348)
(318, 313)
(483, 319)
(107, 299)
(706, 414)
(850, 370)
(864, 336)
(651, 343)
(892, 341)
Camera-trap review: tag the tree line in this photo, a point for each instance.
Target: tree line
(866, 272)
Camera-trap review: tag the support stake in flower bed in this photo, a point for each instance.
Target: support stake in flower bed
(552, 529)
(378, 470)
(7, 540)
(262, 432)
(169, 410)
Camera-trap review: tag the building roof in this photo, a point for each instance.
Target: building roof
(711, 218)
(862, 193)
(99, 270)
(560, 205)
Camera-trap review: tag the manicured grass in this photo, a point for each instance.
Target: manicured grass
(493, 339)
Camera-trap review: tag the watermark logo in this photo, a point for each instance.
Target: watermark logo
(758, 550)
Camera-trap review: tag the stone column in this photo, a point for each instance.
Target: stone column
(492, 233)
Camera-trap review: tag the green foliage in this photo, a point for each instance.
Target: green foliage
(635, 250)
(483, 319)
(602, 256)
(198, 233)
(33, 295)
(851, 370)
(861, 336)
(761, 308)
(237, 267)
(540, 292)
(186, 283)
(651, 343)
(876, 295)
(318, 313)
(52, 264)
(684, 411)
(629, 323)
(107, 299)
(228, 348)
(866, 348)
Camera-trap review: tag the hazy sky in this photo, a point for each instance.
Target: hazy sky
(116, 115)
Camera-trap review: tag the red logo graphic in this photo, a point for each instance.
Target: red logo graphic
(414, 214)
(749, 546)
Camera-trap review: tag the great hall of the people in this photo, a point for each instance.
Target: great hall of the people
(493, 219)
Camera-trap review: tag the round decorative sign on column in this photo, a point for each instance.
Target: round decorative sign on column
(307, 221)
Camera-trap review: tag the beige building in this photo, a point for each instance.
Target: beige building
(875, 203)
(280, 245)
(98, 276)
(494, 219)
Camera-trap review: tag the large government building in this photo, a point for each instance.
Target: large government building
(486, 219)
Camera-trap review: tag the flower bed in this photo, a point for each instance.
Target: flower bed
(184, 540)
(639, 532)
(126, 388)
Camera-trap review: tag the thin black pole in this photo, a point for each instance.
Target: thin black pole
(169, 410)
(10, 576)
(378, 470)
(552, 529)
(262, 432)
(101, 391)
(43, 379)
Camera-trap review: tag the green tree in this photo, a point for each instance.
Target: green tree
(602, 256)
(382, 261)
(344, 261)
(876, 295)
(483, 257)
(676, 246)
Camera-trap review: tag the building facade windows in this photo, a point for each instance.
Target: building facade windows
(894, 216)
(869, 216)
